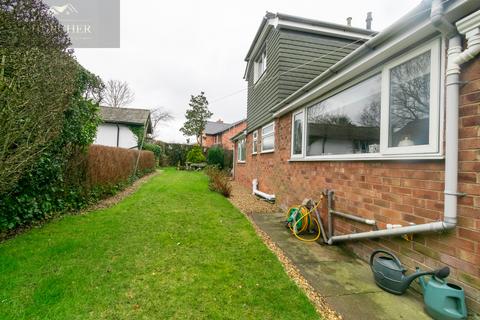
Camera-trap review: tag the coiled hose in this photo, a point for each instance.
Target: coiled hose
(300, 220)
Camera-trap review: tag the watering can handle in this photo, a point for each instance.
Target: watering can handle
(374, 253)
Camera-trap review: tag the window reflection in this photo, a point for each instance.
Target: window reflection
(298, 133)
(410, 102)
(346, 123)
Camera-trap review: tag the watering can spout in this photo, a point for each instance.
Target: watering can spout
(420, 280)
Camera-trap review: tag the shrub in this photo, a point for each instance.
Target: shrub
(176, 153)
(216, 157)
(219, 181)
(156, 149)
(108, 166)
(195, 155)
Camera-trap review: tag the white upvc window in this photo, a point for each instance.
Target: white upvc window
(391, 113)
(260, 65)
(255, 142)
(298, 133)
(268, 138)
(411, 102)
(241, 150)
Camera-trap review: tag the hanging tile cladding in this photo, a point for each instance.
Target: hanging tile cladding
(293, 59)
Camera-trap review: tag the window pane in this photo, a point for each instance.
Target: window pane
(268, 142)
(346, 123)
(268, 129)
(297, 133)
(409, 111)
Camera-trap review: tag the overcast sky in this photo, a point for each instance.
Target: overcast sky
(172, 49)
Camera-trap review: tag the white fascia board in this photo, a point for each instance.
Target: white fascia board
(321, 30)
(377, 56)
(259, 44)
(469, 24)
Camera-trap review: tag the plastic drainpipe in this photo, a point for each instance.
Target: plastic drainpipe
(269, 197)
(455, 58)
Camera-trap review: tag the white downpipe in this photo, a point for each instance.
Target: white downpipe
(455, 58)
(269, 197)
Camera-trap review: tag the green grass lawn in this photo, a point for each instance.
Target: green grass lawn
(172, 250)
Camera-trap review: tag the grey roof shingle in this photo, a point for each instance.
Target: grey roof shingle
(212, 128)
(126, 116)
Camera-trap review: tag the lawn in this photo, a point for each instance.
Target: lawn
(172, 250)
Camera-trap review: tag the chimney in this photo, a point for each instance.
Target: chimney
(349, 21)
(369, 21)
(220, 120)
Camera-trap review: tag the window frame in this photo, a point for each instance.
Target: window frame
(433, 150)
(434, 112)
(255, 142)
(260, 60)
(304, 128)
(243, 143)
(262, 150)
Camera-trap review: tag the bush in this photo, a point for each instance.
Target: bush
(156, 149)
(176, 153)
(216, 157)
(195, 155)
(109, 166)
(219, 181)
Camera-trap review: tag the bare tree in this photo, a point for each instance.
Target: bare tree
(118, 94)
(159, 115)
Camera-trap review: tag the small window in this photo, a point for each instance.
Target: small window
(297, 130)
(241, 150)
(260, 65)
(255, 142)
(268, 138)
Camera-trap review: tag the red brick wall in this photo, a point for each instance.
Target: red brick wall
(391, 192)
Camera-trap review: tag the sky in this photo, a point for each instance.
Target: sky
(173, 49)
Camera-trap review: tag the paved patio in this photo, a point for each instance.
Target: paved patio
(345, 281)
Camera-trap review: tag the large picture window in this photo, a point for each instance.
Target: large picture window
(346, 123)
(393, 113)
(268, 138)
(260, 65)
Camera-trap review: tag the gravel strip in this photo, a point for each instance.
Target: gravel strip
(321, 306)
(103, 204)
(243, 199)
(113, 200)
(247, 203)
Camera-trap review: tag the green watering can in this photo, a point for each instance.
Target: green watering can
(443, 300)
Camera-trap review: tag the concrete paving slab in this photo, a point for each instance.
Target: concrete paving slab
(345, 281)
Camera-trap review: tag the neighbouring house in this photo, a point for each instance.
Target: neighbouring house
(117, 125)
(219, 133)
(388, 121)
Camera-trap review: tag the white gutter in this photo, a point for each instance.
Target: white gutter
(269, 197)
(470, 26)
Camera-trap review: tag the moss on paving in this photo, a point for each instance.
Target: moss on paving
(172, 250)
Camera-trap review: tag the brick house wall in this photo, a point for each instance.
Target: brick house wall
(225, 137)
(394, 192)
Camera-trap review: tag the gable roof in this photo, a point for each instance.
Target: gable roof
(127, 116)
(213, 128)
(290, 22)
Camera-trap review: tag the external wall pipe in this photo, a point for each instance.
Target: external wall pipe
(269, 197)
(354, 218)
(455, 58)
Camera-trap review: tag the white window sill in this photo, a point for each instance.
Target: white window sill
(254, 153)
(241, 162)
(268, 151)
(368, 157)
